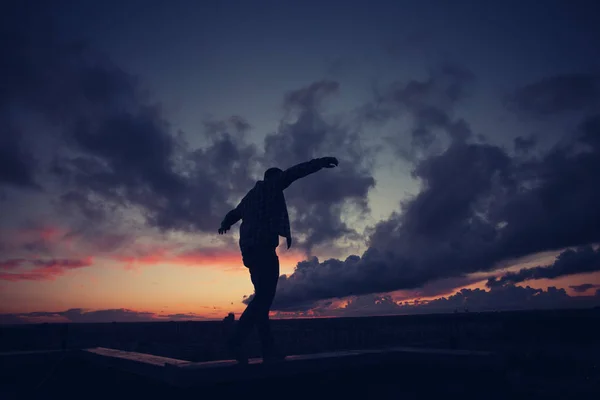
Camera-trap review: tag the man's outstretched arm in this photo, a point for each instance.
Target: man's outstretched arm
(231, 218)
(306, 168)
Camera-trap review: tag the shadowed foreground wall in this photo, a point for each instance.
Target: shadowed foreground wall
(203, 341)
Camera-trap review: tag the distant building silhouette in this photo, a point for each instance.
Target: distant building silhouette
(229, 318)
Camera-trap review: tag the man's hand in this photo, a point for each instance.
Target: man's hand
(223, 230)
(289, 242)
(329, 162)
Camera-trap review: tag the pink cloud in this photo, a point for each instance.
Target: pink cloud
(45, 252)
(213, 257)
(48, 269)
(11, 263)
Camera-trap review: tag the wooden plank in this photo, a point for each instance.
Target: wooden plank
(137, 357)
(147, 365)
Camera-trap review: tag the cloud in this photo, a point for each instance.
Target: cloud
(508, 298)
(16, 163)
(114, 315)
(555, 95)
(474, 300)
(319, 203)
(440, 287)
(33, 238)
(109, 167)
(79, 315)
(36, 244)
(438, 235)
(524, 144)
(182, 317)
(478, 206)
(11, 263)
(429, 105)
(43, 269)
(569, 262)
(177, 255)
(584, 287)
(504, 298)
(130, 159)
(105, 148)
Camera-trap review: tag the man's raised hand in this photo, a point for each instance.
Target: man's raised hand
(329, 162)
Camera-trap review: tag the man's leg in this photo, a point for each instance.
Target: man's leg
(248, 317)
(263, 264)
(265, 279)
(245, 324)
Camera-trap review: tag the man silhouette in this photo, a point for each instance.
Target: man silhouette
(264, 216)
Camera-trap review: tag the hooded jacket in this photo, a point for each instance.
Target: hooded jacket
(263, 210)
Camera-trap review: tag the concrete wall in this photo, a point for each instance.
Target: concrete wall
(202, 341)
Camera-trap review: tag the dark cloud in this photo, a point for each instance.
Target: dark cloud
(318, 203)
(17, 166)
(439, 234)
(79, 315)
(65, 263)
(590, 132)
(584, 287)
(310, 97)
(10, 319)
(524, 144)
(132, 159)
(569, 262)
(83, 132)
(437, 288)
(115, 315)
(40, 245)
(429, 104)
(109, 159)
(454, 186)
(11, 263)
(478, 207)
(42, 269)
(555, 206)
(104, 148)
(182, 317)
(508, 298)
(557, 94)
(505, 298)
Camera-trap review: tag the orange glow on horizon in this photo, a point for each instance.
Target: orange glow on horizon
(168, 277)
(214, 258)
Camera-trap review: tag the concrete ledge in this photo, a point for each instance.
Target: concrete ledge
(18, 359)
(228, 371)
(183, 373)
(138, 363)
(30, 352)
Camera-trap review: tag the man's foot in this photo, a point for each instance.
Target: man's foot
(237, 352)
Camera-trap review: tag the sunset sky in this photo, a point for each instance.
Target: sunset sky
(468, 135)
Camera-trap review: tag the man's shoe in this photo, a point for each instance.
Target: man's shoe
(273, 357)
(237, 352)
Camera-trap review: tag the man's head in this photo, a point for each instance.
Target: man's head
(272, 173)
